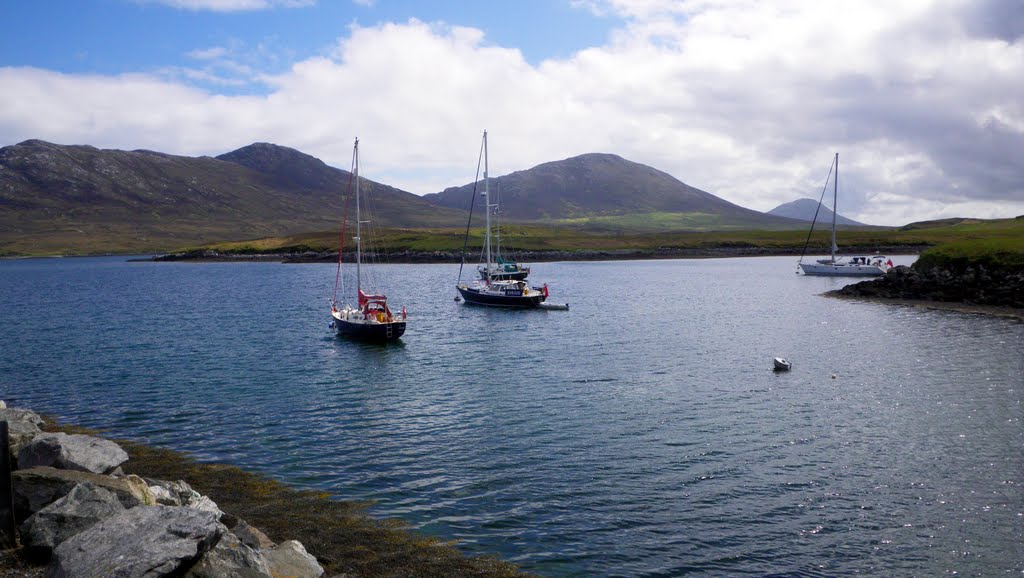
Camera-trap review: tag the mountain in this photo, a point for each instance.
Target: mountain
(803, 209)
(80, 199)
(599, 185)
(290, 170)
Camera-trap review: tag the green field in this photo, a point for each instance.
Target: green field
(995, 243)
(966, 237)
(1002, 240)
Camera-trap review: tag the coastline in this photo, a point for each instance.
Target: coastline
(969, 286)
(343, 538)
(987, 310)
(443, 257)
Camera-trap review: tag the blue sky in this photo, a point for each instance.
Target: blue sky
(117, 36)
(745, 99)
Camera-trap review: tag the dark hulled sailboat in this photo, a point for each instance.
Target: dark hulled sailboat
(493, 290)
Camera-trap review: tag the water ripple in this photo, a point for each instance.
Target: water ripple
(588, 442)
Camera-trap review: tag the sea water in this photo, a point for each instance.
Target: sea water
(642, 432)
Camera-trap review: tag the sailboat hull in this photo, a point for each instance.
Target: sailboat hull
(842, 270)
(479, 296)
(835, 266)
(371, 331)
(356, 327)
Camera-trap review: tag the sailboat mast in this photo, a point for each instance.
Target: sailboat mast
(359, 223)
(835, 209)
(497, 225)
(487, 206)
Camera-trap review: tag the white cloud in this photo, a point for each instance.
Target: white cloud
(747, 100)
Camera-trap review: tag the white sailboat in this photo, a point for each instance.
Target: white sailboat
(370, 319)
(872, 266)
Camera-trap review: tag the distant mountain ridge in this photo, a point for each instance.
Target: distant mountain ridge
(596, 184)
(80, 199)
(803, 209)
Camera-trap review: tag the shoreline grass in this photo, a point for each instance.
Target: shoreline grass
(553, 237)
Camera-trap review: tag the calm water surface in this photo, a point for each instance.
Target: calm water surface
(641, 433)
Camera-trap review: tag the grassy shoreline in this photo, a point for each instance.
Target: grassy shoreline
(563, 237)
(342, 536)
(446, 257)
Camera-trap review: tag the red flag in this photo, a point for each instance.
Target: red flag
(888, 263)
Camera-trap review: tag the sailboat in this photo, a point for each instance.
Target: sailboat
(492, 290)
(836, 266)
(371, 319)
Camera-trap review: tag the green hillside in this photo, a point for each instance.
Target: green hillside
(81, 200)
(57, 199)
(998, 243)
(603, 189)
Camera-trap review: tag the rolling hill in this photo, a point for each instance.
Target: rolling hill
(610, 190)
(803, 209)
(60, 199)
(80, 199)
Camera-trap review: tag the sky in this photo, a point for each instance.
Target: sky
(746, 99)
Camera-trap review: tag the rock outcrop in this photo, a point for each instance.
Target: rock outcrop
(230, 557)
(141, 541)
(84, 506)
(22, 426)
(291, 559)
(82, 517)
(36, 488)
(72, 452)
(976, 284)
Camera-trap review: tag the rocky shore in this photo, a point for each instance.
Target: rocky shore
(977, 286)
(81, 507)
(716, 251)
(79, 514)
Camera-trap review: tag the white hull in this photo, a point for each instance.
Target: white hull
(875, 266)
(842, 270)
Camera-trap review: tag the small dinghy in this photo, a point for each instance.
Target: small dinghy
(781, 364)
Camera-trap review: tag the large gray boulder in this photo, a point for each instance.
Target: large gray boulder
(291, 559)
(72, 452)
(147, 541)
(22, 426)
(86, 505)
(36, 488)
(230, 558)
